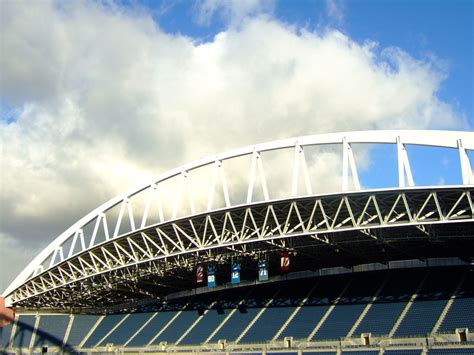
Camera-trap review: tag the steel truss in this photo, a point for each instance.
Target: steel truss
(123, 233)
(167, 252)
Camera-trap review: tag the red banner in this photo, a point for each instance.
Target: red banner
(199, 274)
(284, 261)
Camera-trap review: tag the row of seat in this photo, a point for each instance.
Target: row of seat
(444, 351)
(315, 309)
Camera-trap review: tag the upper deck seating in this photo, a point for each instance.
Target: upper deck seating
(25, 325)
(226, 302)
(326, 290)
(5, 334)
(346, 312)
(146, 335)
(241, 318)
(428, 306)
(461, 312)
(81, 325)
(126, 329)
(390, 303)
(51, 330)
(280, 309)
(104, 327)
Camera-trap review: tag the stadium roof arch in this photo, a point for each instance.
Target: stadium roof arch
(121, 252)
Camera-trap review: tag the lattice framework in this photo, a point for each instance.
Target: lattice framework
(121, 234)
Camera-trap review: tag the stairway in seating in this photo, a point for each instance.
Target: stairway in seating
(140, 329)
(170, 322)
(448, 305)
(231, 313)
(198, 319)
(328, 312)
(408, 306)
(259, 314)
(91, 331)
(367, 308)
(290, 318)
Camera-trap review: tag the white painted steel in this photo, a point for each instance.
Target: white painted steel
(55, 252)
(368, 214)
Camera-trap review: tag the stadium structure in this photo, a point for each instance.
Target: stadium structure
(254, 256)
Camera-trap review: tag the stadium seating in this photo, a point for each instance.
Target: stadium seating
(5, 334)
(340, 321)
(427, 307)
(277, 312)
(51, 330)
(460, 315)
(25, 326)
(390, 303)
(325, 292)
(184, 318)
(241, 318)
(146, 335)
(331, 307)
(461, 312)
(81, 325)
(210, 320)
(126, 329)
(104, 327)
(452, 351)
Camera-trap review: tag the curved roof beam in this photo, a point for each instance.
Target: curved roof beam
(462, 141)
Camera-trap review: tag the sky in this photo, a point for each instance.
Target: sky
(98, 96)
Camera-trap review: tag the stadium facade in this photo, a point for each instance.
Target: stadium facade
(223, 255)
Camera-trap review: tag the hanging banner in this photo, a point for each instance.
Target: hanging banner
(235, 273)
(211, 276)
(262, 270)
(199, 274)
(284, 261)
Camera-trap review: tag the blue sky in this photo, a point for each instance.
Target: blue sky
(439, 28)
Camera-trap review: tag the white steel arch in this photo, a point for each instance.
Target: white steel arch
(73, 241)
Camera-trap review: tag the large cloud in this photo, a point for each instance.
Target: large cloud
(103, 99)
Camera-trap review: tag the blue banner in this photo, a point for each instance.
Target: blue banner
(262, 270)
(235, 273)
(211, 276)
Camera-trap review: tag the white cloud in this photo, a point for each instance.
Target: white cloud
(13, 255)
(335, 10)
(232, 11)
(106, 99)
